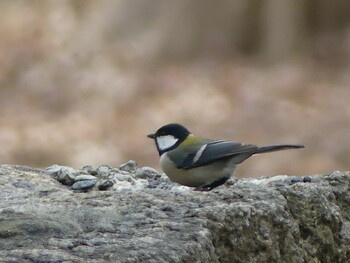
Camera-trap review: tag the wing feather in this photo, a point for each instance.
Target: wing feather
(215, 151)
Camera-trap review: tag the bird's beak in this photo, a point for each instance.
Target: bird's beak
(151, 135)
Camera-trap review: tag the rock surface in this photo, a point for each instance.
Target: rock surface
(149, 219)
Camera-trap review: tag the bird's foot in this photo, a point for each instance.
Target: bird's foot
(203, 188)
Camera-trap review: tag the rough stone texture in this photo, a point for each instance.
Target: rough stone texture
(253, 220)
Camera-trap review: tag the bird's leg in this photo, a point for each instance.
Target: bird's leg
(211, 186)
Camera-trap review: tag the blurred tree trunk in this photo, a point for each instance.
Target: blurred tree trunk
(282, 28)
(157, 30)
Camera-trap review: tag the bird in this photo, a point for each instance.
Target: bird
(203, 163)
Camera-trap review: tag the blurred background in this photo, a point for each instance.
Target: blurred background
(83, 82)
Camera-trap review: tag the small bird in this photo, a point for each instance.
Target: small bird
(202, 163)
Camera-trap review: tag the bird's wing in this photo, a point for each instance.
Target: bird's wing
(214, 151)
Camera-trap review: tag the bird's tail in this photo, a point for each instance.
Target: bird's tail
(278, 147)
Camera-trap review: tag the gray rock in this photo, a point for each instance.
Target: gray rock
(64, 174)
(307, 179)
(88, 169)
(105, 184)
(147, 173)
(295, 180)
(253, 220)
(83, 185)
(129, 166)
(103, 170)
(124, 176)
(55, 169)
(335, 176)
(162, 182)
(66, 178)
(84, 177)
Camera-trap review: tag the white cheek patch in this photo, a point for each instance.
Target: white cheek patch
(165, 142)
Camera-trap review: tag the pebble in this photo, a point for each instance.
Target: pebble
(160, 185)
(64, 174)
(84, 177)
(89, 170)
(295, 180)
(104, 184)
(126, 177)
(147, 173)
(153, 184)
(55, 169)
(231, 181)
(335, 176)
(129, 166)
(83, 185)
(103, 170)
(66, 177)
(307, 179)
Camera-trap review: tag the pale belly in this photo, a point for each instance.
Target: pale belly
(197, 176)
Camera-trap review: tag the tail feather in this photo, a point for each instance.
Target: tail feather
(278, 147)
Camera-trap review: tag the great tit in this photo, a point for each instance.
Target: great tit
(202, 163)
